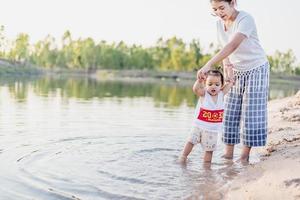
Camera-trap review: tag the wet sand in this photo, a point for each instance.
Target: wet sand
(277, 176)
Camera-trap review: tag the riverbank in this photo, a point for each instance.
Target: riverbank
(172, 75)
(18, 69)
(8, 67)
(277, 176)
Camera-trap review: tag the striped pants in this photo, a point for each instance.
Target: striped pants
(245, 114)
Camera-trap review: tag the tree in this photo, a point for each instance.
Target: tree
(2, 41)
(45, 53)
(20, 49)
(283, 62)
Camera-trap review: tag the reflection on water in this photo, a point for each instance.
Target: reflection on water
(83, 139)
(281, 90)
(171, 93)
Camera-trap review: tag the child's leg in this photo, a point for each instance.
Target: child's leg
(186, 151)
(192, 140)
(209, 144)
(208, 156)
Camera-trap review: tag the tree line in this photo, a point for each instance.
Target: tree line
(171, 54)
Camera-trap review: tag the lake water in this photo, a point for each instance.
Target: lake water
(79, 138)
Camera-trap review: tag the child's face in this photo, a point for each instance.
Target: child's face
(223, 9)
(213, 85)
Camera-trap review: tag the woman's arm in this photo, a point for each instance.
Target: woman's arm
(223, 53)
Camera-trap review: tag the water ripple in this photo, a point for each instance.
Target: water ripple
(130, 180)
(155, 150)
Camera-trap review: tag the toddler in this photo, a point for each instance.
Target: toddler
(208, 114)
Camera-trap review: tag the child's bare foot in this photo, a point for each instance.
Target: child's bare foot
(182, 159)
(207, 165)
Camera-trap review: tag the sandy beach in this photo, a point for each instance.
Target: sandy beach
(277, 176)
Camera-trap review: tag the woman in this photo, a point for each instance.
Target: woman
(246, 102)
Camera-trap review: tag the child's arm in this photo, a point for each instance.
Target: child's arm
(227, 72)
(229, 81)
(199, 87)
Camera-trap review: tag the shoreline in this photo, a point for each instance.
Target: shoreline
(15, 68)
(277, 175)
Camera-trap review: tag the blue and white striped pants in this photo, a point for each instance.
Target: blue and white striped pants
(245, 114)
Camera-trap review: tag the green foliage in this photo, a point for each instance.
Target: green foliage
(20, 50)
(171, 54)
(44, 53)
(283, 62)
(297, 70)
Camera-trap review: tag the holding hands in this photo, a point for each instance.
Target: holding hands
(201, 73)
(228, 73)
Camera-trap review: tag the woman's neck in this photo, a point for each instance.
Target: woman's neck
(233, 16)
(229, 22)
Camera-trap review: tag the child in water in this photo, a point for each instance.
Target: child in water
(208, 113)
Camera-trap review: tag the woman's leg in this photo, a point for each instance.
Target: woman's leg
(232, 116)
(229, 149)
(255, 110)
(245, 153)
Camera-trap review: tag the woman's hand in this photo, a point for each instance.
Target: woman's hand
(201, 73)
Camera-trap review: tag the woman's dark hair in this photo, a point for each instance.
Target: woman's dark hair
(228, 1)
(217, 73)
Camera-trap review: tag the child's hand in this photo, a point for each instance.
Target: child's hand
(202, 79)
(201, 72)
(200, 75)
(230, 80)
(228, 66)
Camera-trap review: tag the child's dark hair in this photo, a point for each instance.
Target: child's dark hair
(215, 72)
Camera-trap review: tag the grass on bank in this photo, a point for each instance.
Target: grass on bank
(16, 70)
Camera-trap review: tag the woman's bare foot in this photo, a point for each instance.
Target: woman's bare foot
(243, 160)
(227, 157)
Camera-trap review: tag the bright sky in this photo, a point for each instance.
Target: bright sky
(144, 21)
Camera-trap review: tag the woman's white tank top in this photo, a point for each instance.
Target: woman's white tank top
(208, 114)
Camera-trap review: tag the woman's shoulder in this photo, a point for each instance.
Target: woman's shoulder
(244, 15)
(219, 23)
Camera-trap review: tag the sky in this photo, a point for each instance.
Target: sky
(144, 21)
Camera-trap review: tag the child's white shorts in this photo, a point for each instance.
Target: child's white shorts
(208, 139)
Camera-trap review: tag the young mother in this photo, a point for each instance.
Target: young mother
(245, 115)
